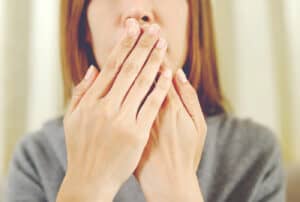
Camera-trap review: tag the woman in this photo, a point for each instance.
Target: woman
(134, 129)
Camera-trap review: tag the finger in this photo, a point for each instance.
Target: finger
(82, 88)
(172, 96)
(133, 65)
(145, 79)
(119, 54)
(150, 108)
(189, 98)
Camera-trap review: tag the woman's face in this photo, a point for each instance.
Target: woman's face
(106, 20)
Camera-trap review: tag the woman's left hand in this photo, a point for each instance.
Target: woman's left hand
(167, 169)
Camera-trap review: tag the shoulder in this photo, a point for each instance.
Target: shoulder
(246, 152)
(241, 135)
(37, 166)
(40, 144)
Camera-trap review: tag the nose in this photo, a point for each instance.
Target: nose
(142, 13)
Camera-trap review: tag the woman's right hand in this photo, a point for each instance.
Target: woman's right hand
(108, 123)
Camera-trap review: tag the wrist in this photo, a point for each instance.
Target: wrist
(186, 189)
(74, 191)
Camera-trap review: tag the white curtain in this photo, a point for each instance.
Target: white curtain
(31, 92)
(258, 45)
(1, 93)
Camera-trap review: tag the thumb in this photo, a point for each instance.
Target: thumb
(79, 90)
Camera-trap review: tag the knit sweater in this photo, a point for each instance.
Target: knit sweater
(241, 162)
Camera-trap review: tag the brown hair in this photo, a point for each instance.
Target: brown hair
(200, 66)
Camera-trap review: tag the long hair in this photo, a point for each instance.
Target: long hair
(200, 66)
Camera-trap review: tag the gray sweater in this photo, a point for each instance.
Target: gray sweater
(241, 162)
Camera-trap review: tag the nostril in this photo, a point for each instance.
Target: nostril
(145, 18)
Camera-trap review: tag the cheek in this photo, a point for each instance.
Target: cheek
(104, 42)
(102, 46)
(103, 34)
(176, 27)
(103, 39)
(178, 45)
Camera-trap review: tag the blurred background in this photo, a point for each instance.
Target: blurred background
(258, 51)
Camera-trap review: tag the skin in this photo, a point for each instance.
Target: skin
(159, 140)
(106, 21)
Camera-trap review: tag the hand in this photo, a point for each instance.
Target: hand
(167, 170)
(106, 126)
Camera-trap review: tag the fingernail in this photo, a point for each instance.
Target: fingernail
(132, 27)
(181, 76)
(162, 43)
(167, 73)
(89, 73)
(154, 29)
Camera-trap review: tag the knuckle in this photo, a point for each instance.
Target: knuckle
(130, 67)
(155, 101)
(112, 63)
(162, 85)
(143, 80)
(155, 57)
(78, 90)
(173, 105)
(127, 42)
(190, 98)
(146, 42)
